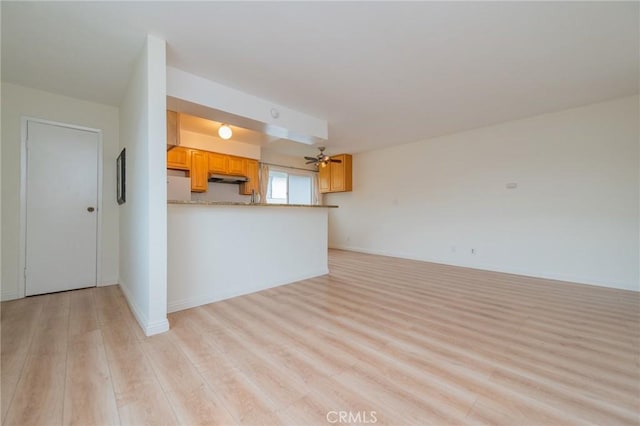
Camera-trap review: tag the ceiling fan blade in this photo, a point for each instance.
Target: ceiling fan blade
(321, 158)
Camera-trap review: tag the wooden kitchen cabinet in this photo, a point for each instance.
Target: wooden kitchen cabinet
(179, 158)
(341, 180)
(199, 171)
(218, 163)
(337, 177)
(252, 171)
(324, 177)
(235, 165)
(200, 164)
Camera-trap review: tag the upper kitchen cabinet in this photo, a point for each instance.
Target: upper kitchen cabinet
(324, 178)
(173, 129)
(236, 165)
(226, 164)
(337, 177)
(179, 158)
(252, 171)
(218, 163)
(199, 171)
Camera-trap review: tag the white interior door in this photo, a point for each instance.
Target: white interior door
(61, 208)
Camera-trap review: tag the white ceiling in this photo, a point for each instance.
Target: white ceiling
(381, 73)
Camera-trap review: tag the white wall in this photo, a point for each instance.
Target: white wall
(218, 252)
(1, 223)
(1, 167)
(215, 144)
(574, 215)
(143, 241)
(287, 123)
(272, 157)
(221, 192)
(18, 101)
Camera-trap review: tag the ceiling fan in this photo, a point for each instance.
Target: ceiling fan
(322, 159)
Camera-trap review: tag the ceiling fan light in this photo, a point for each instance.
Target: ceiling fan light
(225, 132)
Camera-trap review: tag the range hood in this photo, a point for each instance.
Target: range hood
(228, 179)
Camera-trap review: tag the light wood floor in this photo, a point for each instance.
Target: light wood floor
(414, 342)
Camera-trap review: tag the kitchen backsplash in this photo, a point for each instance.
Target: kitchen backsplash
(221, 192)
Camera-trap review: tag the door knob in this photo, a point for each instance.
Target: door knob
(90, 209)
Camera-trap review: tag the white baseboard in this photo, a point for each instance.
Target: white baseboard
(157, 327)
(493, 268)
(140, 317)
(108, 282)
(9, 296)
(192, 302)
(149, 329)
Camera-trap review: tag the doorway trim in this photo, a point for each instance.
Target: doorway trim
(22, 256)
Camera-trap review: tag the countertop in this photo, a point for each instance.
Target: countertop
(231, 203)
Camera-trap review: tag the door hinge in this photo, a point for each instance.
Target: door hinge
(25, 273)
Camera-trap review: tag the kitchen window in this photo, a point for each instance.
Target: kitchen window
(289, 188)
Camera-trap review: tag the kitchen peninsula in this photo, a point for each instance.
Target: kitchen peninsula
(219, 250)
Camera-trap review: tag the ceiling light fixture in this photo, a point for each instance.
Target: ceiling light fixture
(225, 132)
